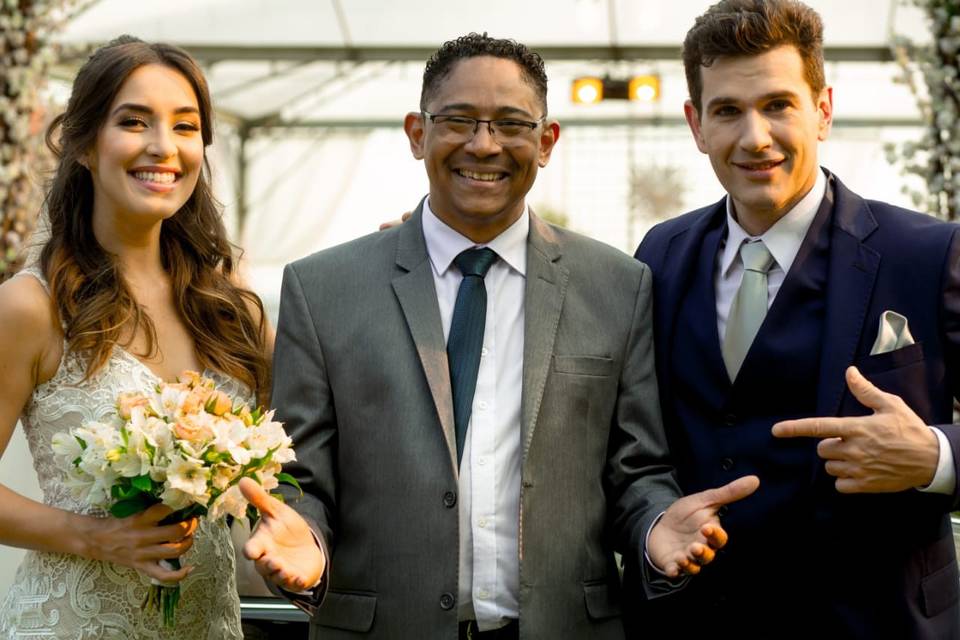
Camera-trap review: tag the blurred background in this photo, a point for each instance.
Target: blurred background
(310, 96)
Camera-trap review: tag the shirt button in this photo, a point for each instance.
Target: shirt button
(482, 522)
(726, 464)
(484, 352)
(484, 594)
(449, 499)
(482, 460)
(447, 601)
(481, 405)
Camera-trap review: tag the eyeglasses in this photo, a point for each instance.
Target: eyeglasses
(503, 130)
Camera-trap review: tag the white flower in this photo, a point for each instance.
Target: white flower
(79, 485)
(268, 478)
(100, 488)
(170, 400)
(230, 502)
(133, 463)
(158, 433)
(190, 476)
(223, 475)
(66, 446)
(176, 499)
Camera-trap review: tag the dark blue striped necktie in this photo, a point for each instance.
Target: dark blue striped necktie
(466, 336)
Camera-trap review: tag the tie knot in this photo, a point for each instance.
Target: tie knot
(756, 256)
(475, 262)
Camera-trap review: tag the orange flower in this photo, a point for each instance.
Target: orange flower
(192, 429)
(187, 377)
(198, 399)
(126, 402)
(218, 403)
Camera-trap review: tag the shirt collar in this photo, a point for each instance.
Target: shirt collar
(784, 238)
(444, 243)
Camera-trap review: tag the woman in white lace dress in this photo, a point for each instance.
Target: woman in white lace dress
(135, 284)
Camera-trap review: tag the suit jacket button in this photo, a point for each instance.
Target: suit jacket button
(726, 464)
(447, 601)
(730, 420)
(449, 499)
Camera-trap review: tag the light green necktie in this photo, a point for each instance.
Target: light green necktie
(749, 305)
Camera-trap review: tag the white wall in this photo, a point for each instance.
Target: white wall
(16, 472)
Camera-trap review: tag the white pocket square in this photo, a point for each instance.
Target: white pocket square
(894, 333)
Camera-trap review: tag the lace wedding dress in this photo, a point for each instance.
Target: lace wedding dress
(66, 597)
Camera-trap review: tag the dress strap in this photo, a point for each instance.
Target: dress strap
(33, 269)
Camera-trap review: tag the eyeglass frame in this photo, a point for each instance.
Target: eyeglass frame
(477, 121)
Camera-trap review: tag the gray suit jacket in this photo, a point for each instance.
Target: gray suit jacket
(361, 381)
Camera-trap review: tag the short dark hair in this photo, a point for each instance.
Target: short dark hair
(752, 27)
(474, 44)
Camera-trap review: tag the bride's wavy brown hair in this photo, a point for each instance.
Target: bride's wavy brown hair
(97, 309)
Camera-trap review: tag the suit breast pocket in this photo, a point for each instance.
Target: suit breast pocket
(902, 372)
(882, 362)
(583, 365)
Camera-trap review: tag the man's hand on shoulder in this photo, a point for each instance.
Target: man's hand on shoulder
(891, 450)
(396, 223)
(689, 534)
(282, 546)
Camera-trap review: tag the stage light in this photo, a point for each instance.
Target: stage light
(645, 88)
(587, 90)
(591, 89)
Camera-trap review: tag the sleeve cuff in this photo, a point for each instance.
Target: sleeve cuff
(646, 545)
(657, 582)
(310, 599)
(944, 479)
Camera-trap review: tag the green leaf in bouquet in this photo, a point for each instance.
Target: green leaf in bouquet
(82, 442)
(256, 415)
(253, 516)
(214, 457)
(143, 483)
(279, 497)
(124, 490)
(131, 506)
(125, 436)
(286, 478)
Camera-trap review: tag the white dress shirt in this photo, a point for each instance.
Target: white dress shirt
(783, 240)
(489, 499)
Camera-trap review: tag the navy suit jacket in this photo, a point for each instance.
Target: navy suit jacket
(885, 562)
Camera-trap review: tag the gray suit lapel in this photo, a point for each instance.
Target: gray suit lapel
(545, 287)
(418, 298)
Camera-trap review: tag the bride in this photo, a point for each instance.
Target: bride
(135, 284)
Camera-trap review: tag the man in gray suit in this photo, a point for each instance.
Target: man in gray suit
(473, 400)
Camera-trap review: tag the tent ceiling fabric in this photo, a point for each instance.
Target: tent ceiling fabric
(358, 62)
(424, 23)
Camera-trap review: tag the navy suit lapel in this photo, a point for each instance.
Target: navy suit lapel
(679, 267)
(850, 282)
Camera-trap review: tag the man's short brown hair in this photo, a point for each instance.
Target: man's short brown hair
(752, 27)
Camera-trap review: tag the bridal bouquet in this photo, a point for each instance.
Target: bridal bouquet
(186, 445)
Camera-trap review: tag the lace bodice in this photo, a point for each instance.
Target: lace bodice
(63, 596)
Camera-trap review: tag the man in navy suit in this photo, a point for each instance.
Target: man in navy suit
(795, 302)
